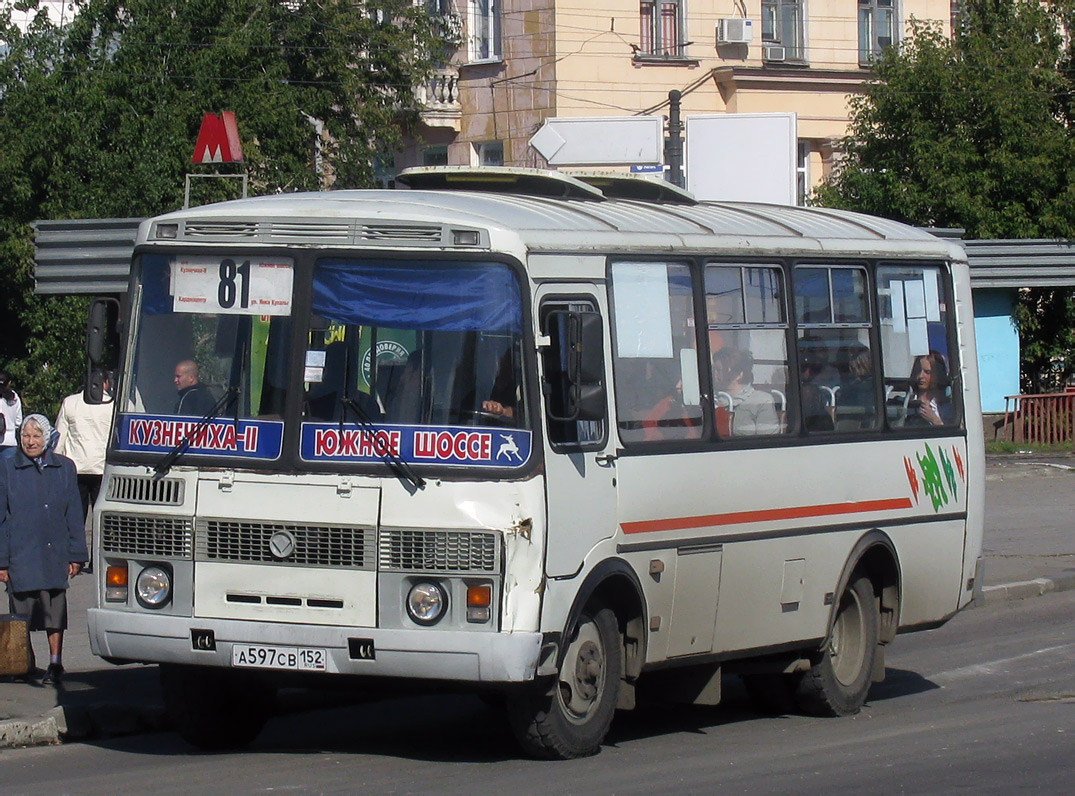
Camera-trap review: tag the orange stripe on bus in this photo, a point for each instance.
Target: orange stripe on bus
(765, 515)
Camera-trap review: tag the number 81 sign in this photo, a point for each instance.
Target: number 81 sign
(236, 285)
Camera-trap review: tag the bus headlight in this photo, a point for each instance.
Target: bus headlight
(426, 603)
(153, 587)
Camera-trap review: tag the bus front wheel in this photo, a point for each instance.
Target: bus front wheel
(569, 715)
(214, 708)
(841, 674)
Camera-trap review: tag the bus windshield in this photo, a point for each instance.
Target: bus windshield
(407, 359)
(207, 326)
(416, 343)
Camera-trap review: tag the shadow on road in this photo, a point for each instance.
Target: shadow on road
(450, 727)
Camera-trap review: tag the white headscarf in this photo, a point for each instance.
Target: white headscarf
(47, 431)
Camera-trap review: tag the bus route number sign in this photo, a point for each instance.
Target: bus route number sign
(232, 285)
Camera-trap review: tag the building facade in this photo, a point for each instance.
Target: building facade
(523, 61)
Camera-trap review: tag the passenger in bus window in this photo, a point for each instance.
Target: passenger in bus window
(857, 396)
(752, 411)
(192, 398)
(664, 416)
(929, 381)
(817, 396)
(503, 397)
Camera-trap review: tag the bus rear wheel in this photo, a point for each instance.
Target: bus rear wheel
(214, 708)
(569, 715)
(840, 677)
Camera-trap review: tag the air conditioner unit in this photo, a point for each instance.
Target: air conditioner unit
(773, 52)
(735, 30)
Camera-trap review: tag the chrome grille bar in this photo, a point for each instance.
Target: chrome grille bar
(240, 541)
(146, 490)
(438, 551)
(146, 535)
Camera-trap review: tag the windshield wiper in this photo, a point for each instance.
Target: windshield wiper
(161, 468)
(402, 470)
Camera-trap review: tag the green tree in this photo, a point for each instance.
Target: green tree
(99, 118)
(975, 132)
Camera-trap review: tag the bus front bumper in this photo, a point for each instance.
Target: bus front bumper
(455, 655)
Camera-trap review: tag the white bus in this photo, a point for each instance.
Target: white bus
(556, 437)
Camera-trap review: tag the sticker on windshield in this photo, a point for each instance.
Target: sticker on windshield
(444, 445)
(247, 439)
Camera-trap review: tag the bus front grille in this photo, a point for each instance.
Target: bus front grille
(146, 535)
(438, 551)
(252, 542)
(146, 490)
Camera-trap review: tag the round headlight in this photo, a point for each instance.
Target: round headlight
(426, 603)
(153, 587)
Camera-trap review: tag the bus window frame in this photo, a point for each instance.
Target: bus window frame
(955, 363)
(705, 440)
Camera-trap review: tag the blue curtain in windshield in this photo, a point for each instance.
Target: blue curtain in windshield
(156, 290)
(433, 296)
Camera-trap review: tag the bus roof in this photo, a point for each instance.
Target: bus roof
(541, 212)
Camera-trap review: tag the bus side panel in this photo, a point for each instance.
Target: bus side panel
(786, 521)
(968, 357)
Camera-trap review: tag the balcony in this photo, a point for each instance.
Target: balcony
(439, 99)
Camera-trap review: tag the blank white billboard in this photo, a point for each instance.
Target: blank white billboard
(600, 141)
(747, 157)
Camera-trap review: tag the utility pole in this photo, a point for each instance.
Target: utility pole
(673, 148)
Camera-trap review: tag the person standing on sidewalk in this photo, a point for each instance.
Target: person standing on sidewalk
(42, 536)
(84, 430)
(10, 414)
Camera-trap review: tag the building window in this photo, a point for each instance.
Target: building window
(877, 28)
(435, 156)
(802, 172)
(485, 30)
(661, 25)
(489, 153)
(782, 30)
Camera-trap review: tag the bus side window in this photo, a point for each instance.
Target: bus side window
(573, 373)
(919, 371)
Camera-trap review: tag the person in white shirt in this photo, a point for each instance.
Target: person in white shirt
(84, 429)
(10, 414)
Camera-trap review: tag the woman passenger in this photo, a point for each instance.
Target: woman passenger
(929, 381)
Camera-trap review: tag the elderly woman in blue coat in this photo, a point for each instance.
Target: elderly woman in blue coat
(42, 536)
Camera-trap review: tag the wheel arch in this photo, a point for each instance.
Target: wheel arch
(614, 584)
(875, 554)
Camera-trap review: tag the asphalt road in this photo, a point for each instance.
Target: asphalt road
(986, 703)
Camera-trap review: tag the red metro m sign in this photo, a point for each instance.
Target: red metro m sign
(218, 140)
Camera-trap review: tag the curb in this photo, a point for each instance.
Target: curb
(1030, 588)
(67, 724)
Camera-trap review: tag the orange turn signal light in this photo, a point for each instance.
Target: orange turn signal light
(479, 596)
(116, 576)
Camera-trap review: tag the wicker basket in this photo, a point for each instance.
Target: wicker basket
(14, 645)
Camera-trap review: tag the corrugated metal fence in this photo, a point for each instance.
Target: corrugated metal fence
(84, 256)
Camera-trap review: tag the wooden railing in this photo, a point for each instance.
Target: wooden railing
(1041, 419)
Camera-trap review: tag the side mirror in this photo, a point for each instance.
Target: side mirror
(575, 366)
(590, 348)
(98, 390)
(102, 349)
(102, 330)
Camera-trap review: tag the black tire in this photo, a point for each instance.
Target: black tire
(568, 715)
(772, 694)
(213, 708)
(840, 678)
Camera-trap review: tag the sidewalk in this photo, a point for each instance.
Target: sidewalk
(1028, 553)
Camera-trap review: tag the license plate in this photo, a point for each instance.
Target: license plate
(256, 656)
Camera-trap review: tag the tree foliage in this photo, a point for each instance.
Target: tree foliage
(975, 132)
(98, 119)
